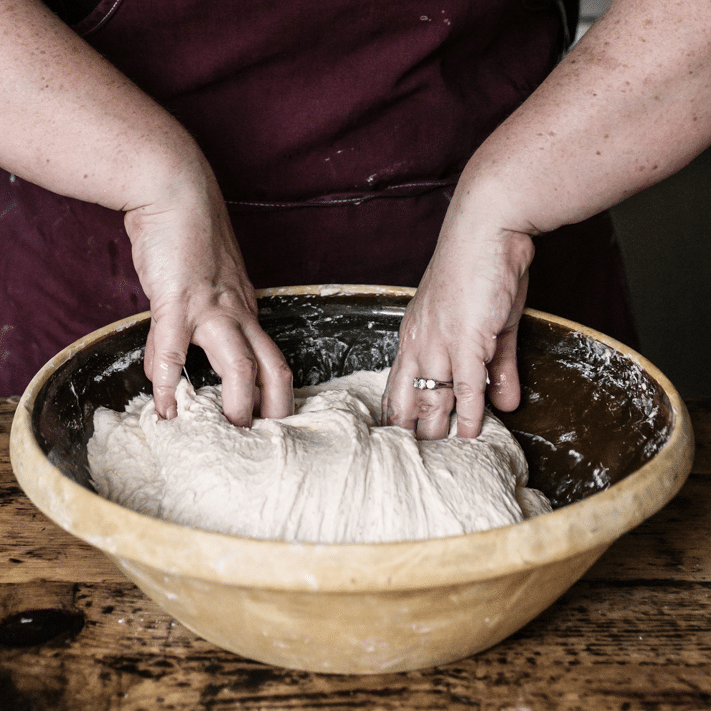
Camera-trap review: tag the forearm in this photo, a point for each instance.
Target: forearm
(71, 122)
(630, 105)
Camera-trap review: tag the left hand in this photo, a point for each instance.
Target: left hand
(460, 326)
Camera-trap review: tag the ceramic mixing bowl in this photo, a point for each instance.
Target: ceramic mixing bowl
(606, 436)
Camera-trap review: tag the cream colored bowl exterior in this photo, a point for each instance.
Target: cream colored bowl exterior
(354, 608)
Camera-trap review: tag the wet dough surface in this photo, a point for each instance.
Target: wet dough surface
(327, 474)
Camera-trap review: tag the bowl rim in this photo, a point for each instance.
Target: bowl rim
(592, 523)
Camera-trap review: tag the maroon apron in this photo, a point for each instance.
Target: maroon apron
(337, 132)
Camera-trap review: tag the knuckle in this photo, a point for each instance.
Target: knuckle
(465, 393)
(162, 391)
(394, 413)
(397, 415)
(166, 369)
(428, 409)
(172, 358)
(282, 375)
(242, 366)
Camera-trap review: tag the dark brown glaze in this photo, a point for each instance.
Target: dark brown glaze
(589, 414)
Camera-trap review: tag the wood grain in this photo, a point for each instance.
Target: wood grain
(32, 546)
(635, 633)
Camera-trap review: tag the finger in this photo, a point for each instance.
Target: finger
(384, 408)
(149, 353)
(469, 388)
(274, 377)
(504, 390)
(426, 412)
(399, 406)
(434, 408)
(232, 358)
(167, 350)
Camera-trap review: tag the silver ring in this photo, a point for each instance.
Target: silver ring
(431, 384)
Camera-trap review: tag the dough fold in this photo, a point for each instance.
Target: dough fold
(327, 474)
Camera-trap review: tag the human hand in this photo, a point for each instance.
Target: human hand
(105, 141)
(191, 269)
(461, 323)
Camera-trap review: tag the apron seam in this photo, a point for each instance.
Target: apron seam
(387, 193)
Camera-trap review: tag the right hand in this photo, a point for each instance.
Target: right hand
(102, 140)
(191, 269)
(462, 324)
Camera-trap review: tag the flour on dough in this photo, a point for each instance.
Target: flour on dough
(327, 474)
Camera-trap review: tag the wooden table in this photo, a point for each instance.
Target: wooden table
(635, 633)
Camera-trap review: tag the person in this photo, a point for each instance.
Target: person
(627, 107)
(337, 136)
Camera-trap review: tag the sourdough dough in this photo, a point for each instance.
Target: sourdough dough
(327, 474)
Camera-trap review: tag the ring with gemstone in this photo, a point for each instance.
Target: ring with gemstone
(431, 384)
